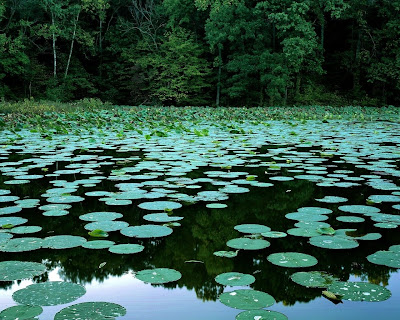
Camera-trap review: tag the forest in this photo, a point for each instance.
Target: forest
(202, 52)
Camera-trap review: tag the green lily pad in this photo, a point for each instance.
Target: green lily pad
(160, 205)
(385, 258)
(49, 293)
(98, 244)
(98, 233)
(100, 216)
(326, 231)
(65, 199)
(351, 219)
(359, 209)
(313, 279)
(55, 213)
(63, 242)
(360, 291)
(161, 217)
(19, 270)
(333, 242)
(159, 275)
(332, 199)
(252, 228)
(126, 248)
(225, 254)
(247, 299)
(274, 234)
(314, 210)
(26, 229)
(147, 231)
(4, 237)
(261, 315)
(304, 216)
(303, 232)
(292, 259)
(91, 311)
(235, 279)
(10, 210)
(21, 245)
(107, 226)
(385, 225)
(216, 205)
(248, 244)
(21, 312)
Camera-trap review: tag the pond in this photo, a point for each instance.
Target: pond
(202, 221)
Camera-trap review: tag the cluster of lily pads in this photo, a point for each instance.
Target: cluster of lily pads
(153, 173)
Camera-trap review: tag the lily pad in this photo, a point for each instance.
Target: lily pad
(107, 226)
(333, 242)
(100, 216)
(252, 228)
(126, 248)
(160, 205)
(332, 199)
(274, 234)
(313, 279)
(385, 258)
(247, 299)
(161, 217)
(159, 275)
(235, 279)
(98, 244)
(248, 244)
(216, 205)
(360, 291)
(359, 209)
(226, 254)
(261, 315)
(147, 231)
(63, 242)
(49, 293)
(19, 270)
(21, 312)
(351, 219)
(91, 311)
(292, 259)
(21, 245)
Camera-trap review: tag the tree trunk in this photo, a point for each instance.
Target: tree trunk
(54, 46)
(219, 76)
(298, 85)
(72, 44)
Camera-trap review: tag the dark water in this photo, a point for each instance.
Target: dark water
(202, 232)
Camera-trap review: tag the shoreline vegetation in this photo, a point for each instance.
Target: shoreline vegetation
(59, 117)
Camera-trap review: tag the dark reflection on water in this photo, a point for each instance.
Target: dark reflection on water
(204, 231)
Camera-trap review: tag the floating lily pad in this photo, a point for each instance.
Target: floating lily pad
(147, 231)
(247, 299)
(385, 225)
(98, 244)
(49, 293)
(274, 234)
(292, 259)
(91, 311)
(359, 209)
(26, 229)
(22, 244)
(332, 199)
(100, 216)
(10, 210)
(21, 312)
(303, 216)
(351, 219)
(235, 279)
(107, 226)
(63, 242)
(252, 228)
(55, 213)
(98, 233)
(360, 291)
(261, 315)
(161, 217)
(226, 254)
(333, 242)
(19, 270)
(248, 244)
(386, 258)
(216, 205)
(160, 205)
(303, 232)
(313, 279)
(4, 237)
(384, 198)
(159, 275)
(314, 210)
(65, 199)
(8, 198)
(126, 248)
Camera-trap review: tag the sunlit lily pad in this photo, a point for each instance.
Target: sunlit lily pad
(10, 210)
(313, 279)
(126, 248)
(49, 293)
(226, 254)
(351, 219)
(22, 244)
(303, 232)
(314, 210)
(55, 213)
(292, 259)
(25, 229)
(21, 312)
(100, 216)
(304, 216)
(360, 291)
(63, 242)
(333, 242)
(98, 244)
(247, 299)
(274, 234)
(260, 315)
(160, 205)
(161, 217)
(359, 209)
(147, 231)
(252, 228)
(332, 199)
(65, 199)
(19, 270)
(235, 279)
(248, 244)
(159, 275)
(107, 226)
(91, 311)
(386, 258)
(216, 205)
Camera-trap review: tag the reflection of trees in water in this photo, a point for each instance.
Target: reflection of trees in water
(203, 232)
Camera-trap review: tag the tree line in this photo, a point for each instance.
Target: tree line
(202, 52)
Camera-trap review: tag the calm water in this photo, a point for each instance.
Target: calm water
(202, 232)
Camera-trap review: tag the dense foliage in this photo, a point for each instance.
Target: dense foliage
(198, 52)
